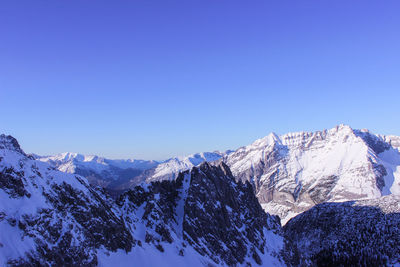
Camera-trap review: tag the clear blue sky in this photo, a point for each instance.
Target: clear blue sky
(154, 79)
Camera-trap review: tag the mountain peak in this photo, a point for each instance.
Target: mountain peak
(307, 168)
(343, 128)
(268, 140)
(10, 143)
(215, 166)
(69, 156)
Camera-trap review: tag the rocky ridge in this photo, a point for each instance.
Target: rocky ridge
(48, 218)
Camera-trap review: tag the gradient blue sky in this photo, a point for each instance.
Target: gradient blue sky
(154, 79)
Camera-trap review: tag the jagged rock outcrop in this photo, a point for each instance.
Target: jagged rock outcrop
(52, 218)
(7, 142)
(207, 210)
(215, 201)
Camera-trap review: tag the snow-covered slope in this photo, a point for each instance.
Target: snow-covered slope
(293, 172)
(169, 169)
(48, 217)
(204, 217)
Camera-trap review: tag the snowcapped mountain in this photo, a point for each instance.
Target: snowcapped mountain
(68, 162)
(169, 169)
(290, 173)
(99, 171)
(202, 218)
(124, 174)
(293, 172)
(205, 216)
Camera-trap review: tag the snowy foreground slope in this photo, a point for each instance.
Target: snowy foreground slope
(202, 218)
(48, 217)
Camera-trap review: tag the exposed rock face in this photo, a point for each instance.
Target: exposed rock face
(355, 233)
(215, 202)
(207, 210)
(51, 217)
(294, 172)
(153, 208)
(10, 143)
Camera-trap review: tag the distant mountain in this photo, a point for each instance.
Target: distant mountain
(99, 171)
(293, 172)
(125, 174)
(69, 162)
(169, 169)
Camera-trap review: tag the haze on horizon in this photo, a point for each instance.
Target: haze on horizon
(157, 79)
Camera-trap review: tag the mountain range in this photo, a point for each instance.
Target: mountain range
(289, 173)
(124, 174)
(325, 198)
